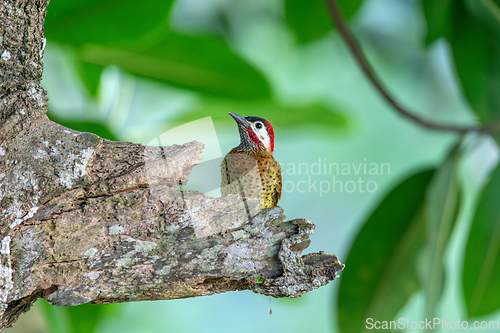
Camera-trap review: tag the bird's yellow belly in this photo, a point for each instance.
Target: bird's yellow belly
(251, 177)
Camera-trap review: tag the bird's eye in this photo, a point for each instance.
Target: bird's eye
(258, 125)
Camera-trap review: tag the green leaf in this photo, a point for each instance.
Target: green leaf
(441, 211)
(279, 116)
(476, 51)
(473, 29)
(90, 74)
(481, 272)
(380, 273)
(105, 22)
(200, 63)
(487, 11)
(136, 37)
(76, 319)
(56, 318)
(85, 126)
(310, 20)
(438, 16)
(84, 318)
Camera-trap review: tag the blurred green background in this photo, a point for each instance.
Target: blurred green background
(423, 242)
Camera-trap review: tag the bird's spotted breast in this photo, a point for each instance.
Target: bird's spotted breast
(252, 176)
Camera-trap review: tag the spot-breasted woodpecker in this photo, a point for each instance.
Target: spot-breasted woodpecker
(250, 168)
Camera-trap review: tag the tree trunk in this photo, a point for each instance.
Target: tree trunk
(84, 219)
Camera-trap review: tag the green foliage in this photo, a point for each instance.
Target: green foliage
(75, 319)
(107, 23)
(280, 116)
(380, 274)
(481, 270)
(473, 29)
(86, 126)
(90, 75)
(136, 38)
(441, 210)
(410, 228)
(309, 20)
(438, 17)
(200, 63)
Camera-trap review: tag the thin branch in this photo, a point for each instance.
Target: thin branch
(357, 52)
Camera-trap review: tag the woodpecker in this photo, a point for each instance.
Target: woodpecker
(250, 168)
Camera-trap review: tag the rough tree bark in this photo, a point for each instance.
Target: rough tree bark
(84, 219)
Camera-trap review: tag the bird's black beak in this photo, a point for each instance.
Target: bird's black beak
(240, 120)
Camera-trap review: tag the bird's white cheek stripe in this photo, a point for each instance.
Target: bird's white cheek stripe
(264, 138)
